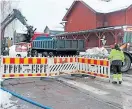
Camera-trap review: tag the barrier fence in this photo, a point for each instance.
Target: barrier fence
(54, 66)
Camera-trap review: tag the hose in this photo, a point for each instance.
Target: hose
(26, 99)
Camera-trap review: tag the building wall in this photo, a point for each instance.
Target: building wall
(100, 20)
(116, 18)
(129, 16)
(81, 18)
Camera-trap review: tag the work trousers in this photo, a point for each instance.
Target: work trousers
(116, 69)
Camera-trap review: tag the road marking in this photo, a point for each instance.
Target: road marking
(84, 86)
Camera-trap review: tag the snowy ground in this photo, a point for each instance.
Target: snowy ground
(5, 100)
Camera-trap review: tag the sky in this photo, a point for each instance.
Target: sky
(40, 13)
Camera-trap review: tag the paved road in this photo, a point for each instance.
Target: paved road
(55, 94)
(73, 92)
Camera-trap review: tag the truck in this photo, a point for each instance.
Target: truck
(126, 46)
(51, 46)
(40, 43)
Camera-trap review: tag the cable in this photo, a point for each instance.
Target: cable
(26, 99)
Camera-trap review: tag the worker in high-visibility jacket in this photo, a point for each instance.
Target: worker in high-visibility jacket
(117, 58)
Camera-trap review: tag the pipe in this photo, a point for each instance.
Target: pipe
(26, 99)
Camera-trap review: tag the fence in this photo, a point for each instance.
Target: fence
(94, 67)
(54, 66)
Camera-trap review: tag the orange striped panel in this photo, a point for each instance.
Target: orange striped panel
(81, 60)
(64, 60)
(24, 60)
(44, 60)
(8, 60)
(91, 61)
(94, 61)
(57, 60)
(104, 62)
(98, 62)
(86, 60)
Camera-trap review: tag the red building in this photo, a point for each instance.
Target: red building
(83, 22)
(81, 16)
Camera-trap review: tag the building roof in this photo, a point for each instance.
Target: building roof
(52, 32)
(101, 6)
(55, 32)
(93, 30)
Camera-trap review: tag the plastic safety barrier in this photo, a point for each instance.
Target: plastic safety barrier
(54, 66)
(94, 67)
(24, 67)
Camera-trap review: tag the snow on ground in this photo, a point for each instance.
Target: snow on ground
(5, 98)
(95, 52)
(5, 102)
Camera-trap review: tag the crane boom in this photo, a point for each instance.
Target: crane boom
(16, 14)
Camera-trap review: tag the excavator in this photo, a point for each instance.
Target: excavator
(16, 14)
(126, 46)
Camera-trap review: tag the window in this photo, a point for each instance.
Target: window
(127, 37)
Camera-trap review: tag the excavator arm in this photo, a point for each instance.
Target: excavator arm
(16, 14)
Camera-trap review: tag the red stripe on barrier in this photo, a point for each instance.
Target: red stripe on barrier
(95, 62)
(77, 59)
(12, 60)
(3, 60)
(55, 60)
(66, 60)
(30, 60)
(3, 75)
(30, 74)
(21, 75)
(21, 60)
(83, 60)
(38, 61)
(101, 75)
(95, 74)
(89, 61)
(107, 63)
(89, 72)
(38, 74)
(71, 59)
(46, 61)
(101, 62)
(60, 60)
(12, 75)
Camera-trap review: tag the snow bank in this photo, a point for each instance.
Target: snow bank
(5, 101)
(97, 52)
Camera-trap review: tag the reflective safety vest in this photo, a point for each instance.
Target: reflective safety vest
(116, 55)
